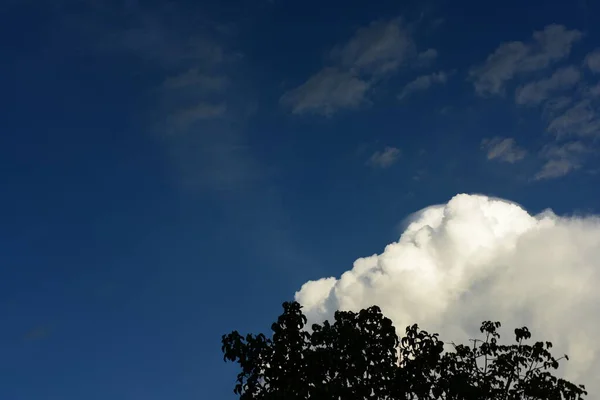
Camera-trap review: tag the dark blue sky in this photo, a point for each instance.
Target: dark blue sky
(171, 172)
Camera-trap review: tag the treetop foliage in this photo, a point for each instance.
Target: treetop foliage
(360, 356)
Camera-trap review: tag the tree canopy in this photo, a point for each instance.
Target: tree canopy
(360, 356)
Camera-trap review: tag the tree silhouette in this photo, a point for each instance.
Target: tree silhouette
(360, 356)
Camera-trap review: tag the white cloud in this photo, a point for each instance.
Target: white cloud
(385, 158)
(592, 61)
(478, 258)
(535, 92)
(503, 149)
(423, 82)
(509, 59)
(326, 92)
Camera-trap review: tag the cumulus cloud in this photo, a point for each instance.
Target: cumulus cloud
(477, 258)
(545, 48)
(535, 92)
(375, 51)
(503, 149)
(592, 61)
(326, 92)
(423, 82)
(385, 158)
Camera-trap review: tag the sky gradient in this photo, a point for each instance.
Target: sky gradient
(172, 171)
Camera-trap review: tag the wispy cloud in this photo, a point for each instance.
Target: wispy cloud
(555, 106)
(378, 48)
(184, 118)
(503, 149)
(197, 80)
(427, 57)
(37, 333)
(582, 119)
(197, 69)
(534, 93)
(545, 48)
(592, 61)
(153, 39)
(384, 158)
(423, 82)
(570, 105)
(556, 168)
(570, 119)
(594, 91)
(375, 51)
(326, 92)
(561, 159)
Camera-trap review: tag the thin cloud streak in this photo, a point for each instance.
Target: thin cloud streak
(375, 51)
(384, 158)
(510, 59)
(503, 149)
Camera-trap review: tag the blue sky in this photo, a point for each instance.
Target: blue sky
(174, 171)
